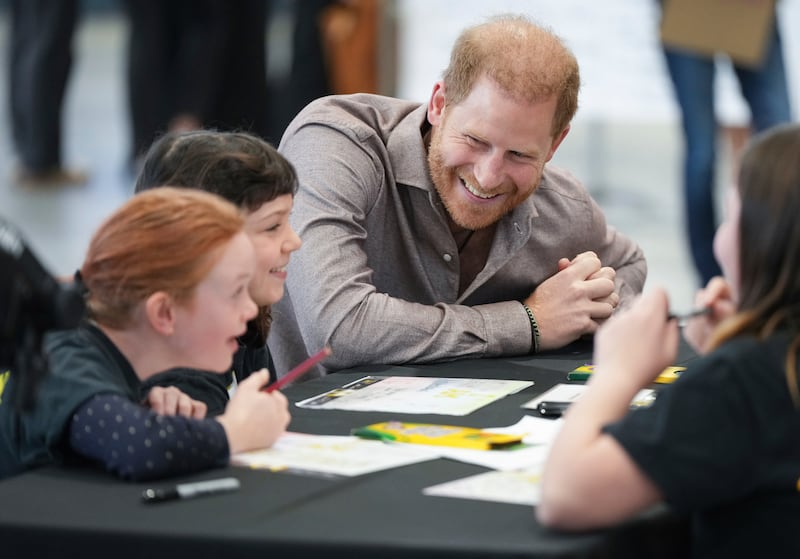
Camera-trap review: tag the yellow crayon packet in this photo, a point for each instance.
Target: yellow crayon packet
(667, 376)
(439, 435)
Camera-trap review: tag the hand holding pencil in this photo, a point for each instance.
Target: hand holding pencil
(720, 300)
(253, 418)
(255, 403)
(300, 370)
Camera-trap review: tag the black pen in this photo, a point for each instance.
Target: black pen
(552, 409)
(305, 472)
(190, 490)
(682, 318)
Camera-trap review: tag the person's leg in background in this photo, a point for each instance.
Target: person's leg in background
(41, 60)
(150, 52)
(309, 76)
(765, 88)
(18, 54)
(243, 100)
(693, 81)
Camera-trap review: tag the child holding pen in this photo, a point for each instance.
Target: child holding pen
(166, 280)
(250, 173)
(723, 442)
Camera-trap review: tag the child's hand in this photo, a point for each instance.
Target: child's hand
(718, 297)
(637, 343)
(255, 418)
(169, 400)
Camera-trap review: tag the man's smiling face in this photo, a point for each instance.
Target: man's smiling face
(488, 152)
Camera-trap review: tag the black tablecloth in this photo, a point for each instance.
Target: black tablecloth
(86, 513)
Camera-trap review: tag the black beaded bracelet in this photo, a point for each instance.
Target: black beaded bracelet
(534, 329)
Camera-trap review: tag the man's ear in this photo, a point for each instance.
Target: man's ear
(436, 104)
(160, 311)
(557, 142)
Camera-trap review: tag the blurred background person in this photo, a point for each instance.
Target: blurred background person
(764, 88)
(40, 62)
(195, 64)
(332, 48)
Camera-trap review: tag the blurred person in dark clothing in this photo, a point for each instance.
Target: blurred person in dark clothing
(40, 64)
(195, 64)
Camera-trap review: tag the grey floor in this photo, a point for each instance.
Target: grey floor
(632, 168)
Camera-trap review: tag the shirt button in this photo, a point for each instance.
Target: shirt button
(447, 257)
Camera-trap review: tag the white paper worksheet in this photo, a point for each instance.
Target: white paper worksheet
(446, 396)
(337, 455)
(520, 487)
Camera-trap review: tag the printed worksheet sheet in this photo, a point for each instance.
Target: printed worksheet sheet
(336, 455)
(520, 487)
(447, 396)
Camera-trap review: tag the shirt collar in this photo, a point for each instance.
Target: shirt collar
(407, 152)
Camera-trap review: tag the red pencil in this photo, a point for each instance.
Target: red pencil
(301, 369)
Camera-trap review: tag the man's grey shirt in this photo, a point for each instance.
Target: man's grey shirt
(377, 276)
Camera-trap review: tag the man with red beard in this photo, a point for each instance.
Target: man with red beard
(436, 231)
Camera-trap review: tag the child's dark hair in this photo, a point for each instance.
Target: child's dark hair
(240, 167)
(769, 251)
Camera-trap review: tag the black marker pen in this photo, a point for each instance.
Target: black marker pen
(190, 490)
(682, 318)
(552, 409)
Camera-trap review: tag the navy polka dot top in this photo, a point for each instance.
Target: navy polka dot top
(135, 443)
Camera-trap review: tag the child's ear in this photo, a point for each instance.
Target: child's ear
(160, 311)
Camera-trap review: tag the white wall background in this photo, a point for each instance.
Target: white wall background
(615, 42)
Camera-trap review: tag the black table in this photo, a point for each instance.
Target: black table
(86, 513)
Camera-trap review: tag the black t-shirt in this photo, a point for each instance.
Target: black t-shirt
(723, 443)
(83, 362)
